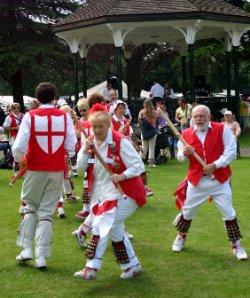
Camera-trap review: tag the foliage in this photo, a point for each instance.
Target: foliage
(238, 3)
(205, 268)
(27, 44)
(30, 53)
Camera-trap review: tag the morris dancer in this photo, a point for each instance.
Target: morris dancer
(113, 103)
(68, 185)
(81, 233)
(121, 124)
(83, 108)
(216, 144)
(110, 208)
(11, 126)
(44, 135)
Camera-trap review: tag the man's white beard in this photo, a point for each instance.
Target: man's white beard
(203, 127)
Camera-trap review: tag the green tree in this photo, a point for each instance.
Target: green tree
(27, 43)
(238, 3)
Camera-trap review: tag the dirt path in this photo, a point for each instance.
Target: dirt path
(245, 152)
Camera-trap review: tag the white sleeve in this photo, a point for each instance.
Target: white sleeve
(180, 156)
(7, 122)
(20, 146)
(229, 153)
(70, 141)
(82, 159)
(131, 159)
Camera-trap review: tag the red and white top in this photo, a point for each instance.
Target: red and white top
(215, 145)
(86, 125)
(46, 150)
(103, 187)
(13, 121)
(122, 125)
(44, 136)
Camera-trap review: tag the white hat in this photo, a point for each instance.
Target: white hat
(61, 102)
(118, 101)
(228, 113)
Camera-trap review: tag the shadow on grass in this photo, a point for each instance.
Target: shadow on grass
(208, 258)
(115, 287)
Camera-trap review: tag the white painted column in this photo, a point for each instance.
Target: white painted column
(189, 32)
(118, 36)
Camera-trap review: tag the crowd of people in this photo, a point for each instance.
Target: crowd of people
(53, 142)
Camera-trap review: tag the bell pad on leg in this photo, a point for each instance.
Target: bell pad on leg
(86, 197)
(233, 229)
(144, 178)
(120, 252)
(183, 224)
(91, 248)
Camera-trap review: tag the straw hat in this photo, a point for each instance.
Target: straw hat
(83, 104)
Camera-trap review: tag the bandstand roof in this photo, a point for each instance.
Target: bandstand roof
(151, 21)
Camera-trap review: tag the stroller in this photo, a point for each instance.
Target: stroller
(164, 139)
(7, 161)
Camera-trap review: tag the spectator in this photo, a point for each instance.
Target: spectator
(168, 91)
(232, 124)
(244, 113)
(147, 119)
(4, 144)
(2, 116)
(183, 114)
(156, 92)
(105, 91)
(12, 122)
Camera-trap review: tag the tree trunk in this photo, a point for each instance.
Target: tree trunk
(16, 81)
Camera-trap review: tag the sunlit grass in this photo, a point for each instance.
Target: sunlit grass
(205, 268)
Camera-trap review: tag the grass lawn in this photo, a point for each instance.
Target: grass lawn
(205, 268)
(245, 139)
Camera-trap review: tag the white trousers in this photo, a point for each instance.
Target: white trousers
(67, 187)
(220, 193)
(41, 192)
(117, 233)
(148, 146)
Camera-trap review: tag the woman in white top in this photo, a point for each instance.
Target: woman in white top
(110, 206)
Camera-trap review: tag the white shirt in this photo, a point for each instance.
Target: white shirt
(105, 93)
(229, 153)
(104, 187)
(20, 146)
(7, 121)
(156, 91)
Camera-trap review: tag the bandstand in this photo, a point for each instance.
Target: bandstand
(130, 23)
